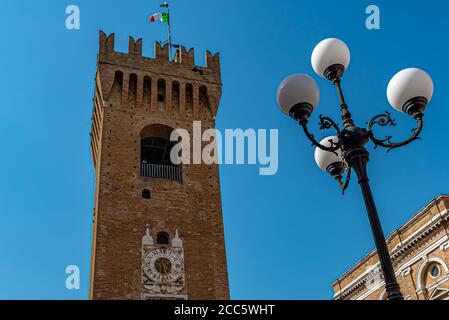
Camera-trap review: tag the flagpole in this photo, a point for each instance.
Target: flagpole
(169, 37)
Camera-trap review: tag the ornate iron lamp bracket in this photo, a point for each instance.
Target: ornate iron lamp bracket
(384, 120)
(344, 184)
(325, 124)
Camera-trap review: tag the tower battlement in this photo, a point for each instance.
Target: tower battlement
(183, 57)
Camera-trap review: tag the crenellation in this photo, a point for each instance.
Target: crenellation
(213, 61)
(107, 44)
(184, 59)
(161, 51)
(135, 47)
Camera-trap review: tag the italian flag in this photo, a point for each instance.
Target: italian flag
(162, 17)
(164, 5)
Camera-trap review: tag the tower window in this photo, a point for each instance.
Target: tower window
(175, 96)
(156, 151)
(146, 194)
(435, 271)
(189, 98)
(163, 238)
(161, 92)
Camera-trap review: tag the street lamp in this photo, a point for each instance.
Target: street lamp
(409, 91)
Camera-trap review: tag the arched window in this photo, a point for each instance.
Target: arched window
(429, 274)
(189, 99)
(163, 238)
(146, 100)
(175, 96)
(156, 151)
(132, 92)
(205, 103)
(115, 95)
(161, 92)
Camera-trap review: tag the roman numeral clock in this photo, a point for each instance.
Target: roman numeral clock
(163, 273)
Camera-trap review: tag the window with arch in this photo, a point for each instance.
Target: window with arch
(132, 92)
(161, 92)
(429, 277)
(163, 238)
(156, 149)
(189, 99)
(206, 112)
(175, 96)
(146, 99)
(115, 95)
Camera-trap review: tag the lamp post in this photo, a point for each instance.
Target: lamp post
(409, 91)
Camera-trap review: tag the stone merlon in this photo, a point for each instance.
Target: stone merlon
(182, 56)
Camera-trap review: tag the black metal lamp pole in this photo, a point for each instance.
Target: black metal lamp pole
(351, 141)
(358, 161)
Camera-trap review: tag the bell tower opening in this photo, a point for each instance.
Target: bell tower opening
(155, 151)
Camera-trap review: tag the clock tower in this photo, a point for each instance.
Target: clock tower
(158, 227)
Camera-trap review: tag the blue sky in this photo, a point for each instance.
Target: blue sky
(288, 236)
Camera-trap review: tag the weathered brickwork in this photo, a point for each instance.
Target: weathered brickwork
(132, 93)
(420, 255)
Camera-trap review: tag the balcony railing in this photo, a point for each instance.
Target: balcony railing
(161, 172)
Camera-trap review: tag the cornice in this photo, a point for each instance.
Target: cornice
(396, 255)
(409, 222)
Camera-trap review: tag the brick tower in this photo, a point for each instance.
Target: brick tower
(158, 228)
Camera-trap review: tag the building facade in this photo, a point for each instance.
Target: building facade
(420, 254)
(158, 227)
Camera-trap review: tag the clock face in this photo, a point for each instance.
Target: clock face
(163, 266)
